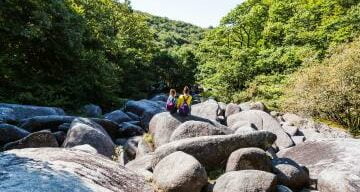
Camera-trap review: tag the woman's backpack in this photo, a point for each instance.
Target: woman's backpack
(171, 105)
(184, 108)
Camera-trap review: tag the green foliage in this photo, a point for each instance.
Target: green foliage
(175, 58)
(262, 39)
(69, 53)
(329, 89)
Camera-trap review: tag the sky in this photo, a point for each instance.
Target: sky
(203, 13)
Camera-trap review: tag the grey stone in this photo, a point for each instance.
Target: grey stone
(145, 109)
(7, 115)
(10, 133)
(298, 139)
(242, 130)
(291, 130)
(164, 124)
(209, 109)
(232, 109)
(85, 148)
(252, 106)
(241, 123)
(28, 111)
(195, 129)
(117, 116)
(180, 172)
(92, 110)
(58, 169)
(60, 137)
(246, 181)
(131, 145)
(290, 174)
(39, 123)
(339, 178)
(111, 128)
(338, 158)
(248, 158)
(263, 121)
(282, 188)
(130, 130)
(85, 131)
(143, 148)
(34, 140)
(213, 151)
(293, 119)
(133, 116)
(159, 97)
(64, 127)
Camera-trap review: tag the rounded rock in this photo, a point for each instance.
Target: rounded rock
(249, 158)
(180, 172)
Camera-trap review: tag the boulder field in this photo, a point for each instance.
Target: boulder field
(142, 148)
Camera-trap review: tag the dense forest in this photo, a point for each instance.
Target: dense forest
(293, 55)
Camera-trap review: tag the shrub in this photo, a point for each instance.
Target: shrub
(330, 89)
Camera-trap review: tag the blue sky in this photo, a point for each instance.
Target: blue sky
(203, 13)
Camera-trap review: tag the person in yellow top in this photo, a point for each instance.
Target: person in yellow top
(184, 102)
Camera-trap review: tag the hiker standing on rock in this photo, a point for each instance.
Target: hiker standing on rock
(171, 102)
(184, 102)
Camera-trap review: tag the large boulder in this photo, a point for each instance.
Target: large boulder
(10, 133)
(58, 169)
(28, 111)
(246, 181)
(145, 109)
(314, 131)
(7, 115)
(213, 151)
(160, 97)
(252, 106)
(339, 178)
(232, 109)
(92, 110)
(180, 172)
(248, 158)
(209, 109)
(85, 131)
(110, 127)
(130, 130)
(35, 140)
(293, 119)
(143, 148)
(39, 123)
(117, 116)
(195, 129)
(263, 121)
(164, 124)
(333, 162)
(290, 174)
(238, 124)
